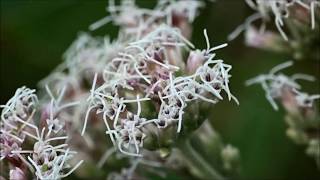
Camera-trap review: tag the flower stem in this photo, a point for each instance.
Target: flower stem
(199, 163)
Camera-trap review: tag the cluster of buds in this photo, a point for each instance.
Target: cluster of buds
(24, 123)
(292, 19)
(137, 21)
(302, 115)
(280, 10)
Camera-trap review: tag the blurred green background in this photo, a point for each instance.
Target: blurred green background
(35, 33)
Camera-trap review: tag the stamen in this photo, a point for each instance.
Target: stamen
(86, 119)
(100, 23)
(125, 152)
(28, 134)
(207, 39)
(11, 135)
(281, 67)
(73, 169)
(139, 106)
(22, 152)
(56, 138)
(108, 128)
(38, 171)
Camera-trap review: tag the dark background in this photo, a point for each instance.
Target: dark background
(35, 33)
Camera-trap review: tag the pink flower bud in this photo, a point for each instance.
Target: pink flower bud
(195, 60)
(289, 102)
(267, 40)
(17, 174)
(180, 21)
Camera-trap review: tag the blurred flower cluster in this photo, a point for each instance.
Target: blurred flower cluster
(296, 21)
(302, 115)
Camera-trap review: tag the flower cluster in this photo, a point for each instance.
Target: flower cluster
(86, 56)
(276, 85)
(24, 123)
(89, 55)
(138, 21)
(141, 66)
(280, 10)
(302, 114)
(147, 68)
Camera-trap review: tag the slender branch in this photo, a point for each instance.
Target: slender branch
(202, 166)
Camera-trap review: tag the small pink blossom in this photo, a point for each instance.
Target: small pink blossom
(17, 174)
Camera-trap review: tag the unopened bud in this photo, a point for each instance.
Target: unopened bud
(17, 174)
(314, 148)
(195, 60)
(230, 157)
(267, 40)
(297, 136)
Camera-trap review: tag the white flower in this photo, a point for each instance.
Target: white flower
(274, 84)
(54, 125)
(47, 163)
(44, 159)
(305, 100)
(21, 104)
(147, 69)
(279, 9)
